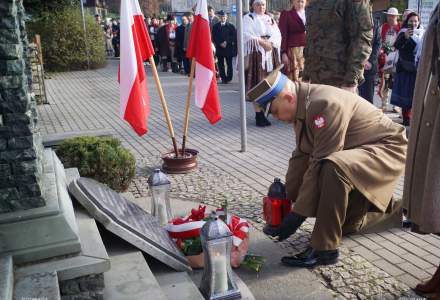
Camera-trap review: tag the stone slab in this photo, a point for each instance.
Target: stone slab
(47, 233)
(56, 139)
(178, 285)
(128, 221)
(131, 278)
(6, 278)
(93, 258)
(37, 286)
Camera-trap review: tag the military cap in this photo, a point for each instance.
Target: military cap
(221, 13)
(268, 89)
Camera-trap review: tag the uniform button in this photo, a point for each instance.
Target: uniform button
(428, 124)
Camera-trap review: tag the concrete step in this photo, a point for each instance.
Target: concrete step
(6, 278)
(178, 285)
(37, 286)
(130, 278)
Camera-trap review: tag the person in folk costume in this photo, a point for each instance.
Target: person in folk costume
(166, 36)
(293, 33)
(224, 37)
(262, 42)
(388, 33)
(409, 39)
(421, 191)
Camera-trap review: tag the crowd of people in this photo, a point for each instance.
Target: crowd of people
(170, 40)
(353, 51)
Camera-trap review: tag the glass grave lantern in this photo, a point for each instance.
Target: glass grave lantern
(217, 280)
(159, 186)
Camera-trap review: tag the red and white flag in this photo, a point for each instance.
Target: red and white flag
(136, 47)
(199, 47)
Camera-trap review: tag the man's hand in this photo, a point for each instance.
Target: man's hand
(267, 46)
(352, 88)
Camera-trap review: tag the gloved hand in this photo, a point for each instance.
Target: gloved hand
(290, 225)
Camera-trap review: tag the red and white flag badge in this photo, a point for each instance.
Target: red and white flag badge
(319, 122)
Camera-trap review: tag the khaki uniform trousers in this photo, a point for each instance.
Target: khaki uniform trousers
(341, 210)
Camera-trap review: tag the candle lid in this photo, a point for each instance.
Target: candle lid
(214, 228)
(158, 178)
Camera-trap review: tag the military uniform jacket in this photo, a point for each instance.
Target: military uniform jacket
(336, 125)
(338, 41)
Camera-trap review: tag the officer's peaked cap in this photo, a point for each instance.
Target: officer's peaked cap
(268, 89)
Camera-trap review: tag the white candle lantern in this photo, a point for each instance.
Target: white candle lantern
(217, 281)
(160, 201)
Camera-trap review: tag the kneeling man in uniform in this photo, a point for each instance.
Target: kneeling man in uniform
(348, 159)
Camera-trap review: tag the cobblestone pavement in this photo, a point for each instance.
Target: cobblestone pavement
(372, 266)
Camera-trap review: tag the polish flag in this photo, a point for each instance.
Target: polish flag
(136, 47)
(199, 47)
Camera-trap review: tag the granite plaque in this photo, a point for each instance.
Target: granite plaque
(128, 221)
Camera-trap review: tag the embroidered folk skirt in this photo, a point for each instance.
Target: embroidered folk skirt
(254, 72)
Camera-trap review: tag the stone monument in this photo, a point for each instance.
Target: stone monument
(36, 214)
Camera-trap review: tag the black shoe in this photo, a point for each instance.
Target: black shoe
(261, 120)
(290, 225)
(311, 258)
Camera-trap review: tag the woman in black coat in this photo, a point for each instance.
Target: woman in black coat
(407, 43)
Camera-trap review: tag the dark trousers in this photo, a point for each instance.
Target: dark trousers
(225, 76)
(366, 89)
(186, 64)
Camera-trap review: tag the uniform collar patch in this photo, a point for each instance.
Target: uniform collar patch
(319, 122)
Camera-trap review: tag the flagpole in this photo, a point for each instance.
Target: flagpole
(164, 104)
(241, 79)
(188, 103)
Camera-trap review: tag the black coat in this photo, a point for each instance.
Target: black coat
(407, 54)
(180, 38)
(224, 33)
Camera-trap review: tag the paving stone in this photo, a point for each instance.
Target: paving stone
(393, 248)
(367, 242)
(409, 280)
(389, 256)
(414, 249)
(413, 270)
(419, 262)
(435, 260)
(368, 254)
(388, 267)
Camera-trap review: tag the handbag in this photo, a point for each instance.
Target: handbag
(391, 62)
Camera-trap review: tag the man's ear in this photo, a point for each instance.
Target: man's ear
(289, 97)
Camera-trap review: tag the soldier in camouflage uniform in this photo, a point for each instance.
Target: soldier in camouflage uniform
(338, 42)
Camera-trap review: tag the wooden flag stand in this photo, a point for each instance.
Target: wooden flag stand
(188, 103)
(183, 160)
(164, 105)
